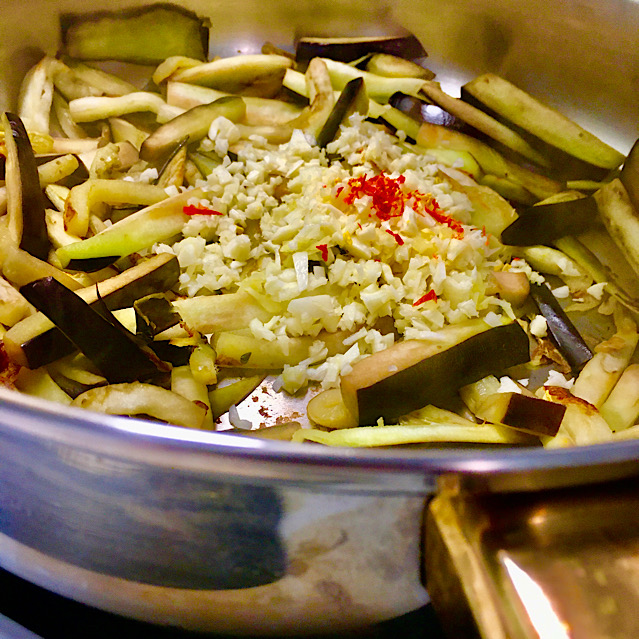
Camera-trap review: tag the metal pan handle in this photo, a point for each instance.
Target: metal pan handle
(557, 564)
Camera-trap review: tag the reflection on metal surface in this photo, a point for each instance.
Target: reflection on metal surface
(538, 607)
(560, 564)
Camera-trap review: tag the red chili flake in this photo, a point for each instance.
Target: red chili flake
(323, 249)
(398, 238)
(387, 195)
(430, 296)
(192, 209)
(431, 206)
(389, 199)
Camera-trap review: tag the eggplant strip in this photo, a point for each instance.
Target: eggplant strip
(349, 49)
(145, 35)
(138, 231)
(491, 162)
(582, 423)
(223, 397)
(49, 173)
(560, 329)
(621, 219)
(143, 399)
(599, 376)
(545, 222)
(105, 342)
(415, 373)
(35, 341)
(589, 262)
(184, 383)
(63, 116)
(36, 96)
(92, 197)
(94, 108)
(237, 350)
(40, 384)
(259, 111)
(621, 408)
(252, 74)
(20, 267)
(193, 124)
(372, 436)
(214, 313)
(392, 66)
(25, 201)
(100, 81)
(353, 99)
(547, 124)
(13, 307)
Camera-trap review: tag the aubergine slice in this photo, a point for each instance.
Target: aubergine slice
(193, 124)
(352, 99)
(609, 266)
(560, 329)
(248, 74)
(34, 342)
(413, 374)
(483, 122)
(517, 108)
(621, 219)
(223, 397)
(154, 313)
(493, 163)
(65, 169)
(629, 175)
(172, 171)
(423, 111)
(145, 35)
(111, 348)
(349, 49)
(545, 222)
(140, 230)
(529, 414)
(25, 199)
(392, 66)
(92, 264)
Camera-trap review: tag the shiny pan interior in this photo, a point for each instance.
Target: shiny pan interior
(213, 531)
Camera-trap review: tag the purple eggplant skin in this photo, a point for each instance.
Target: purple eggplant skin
(563, 166)
(92, 264)
(346, 104)
(153, 314)
(35, 239)
(560, 329)
(44, 348)
(124, 35)
(80, 175)
(349, 49)
(437, 378)
(111, 348)
(423, 111)
(543, 223)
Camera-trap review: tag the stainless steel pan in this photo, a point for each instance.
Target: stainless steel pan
(211, 531)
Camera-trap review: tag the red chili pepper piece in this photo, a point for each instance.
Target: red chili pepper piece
(323, 249)
(430, 296)
(398, 238)
(192, 209)
(389, 198)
